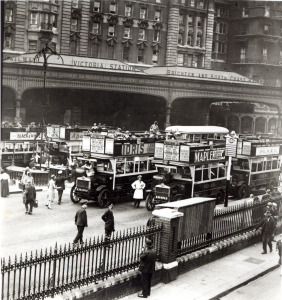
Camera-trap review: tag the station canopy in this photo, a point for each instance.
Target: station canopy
(199, 74)
(76, 62)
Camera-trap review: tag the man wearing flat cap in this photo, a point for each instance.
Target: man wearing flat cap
(138, 186)
(80, 220)
(60, 184)
(148, 259)
(267, 226)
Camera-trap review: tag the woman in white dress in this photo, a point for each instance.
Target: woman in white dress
(138, 186)
(51, 191)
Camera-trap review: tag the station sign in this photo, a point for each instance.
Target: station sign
(24, 136)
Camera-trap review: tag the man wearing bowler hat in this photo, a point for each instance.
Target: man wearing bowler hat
(138, 186)
(60, 184)
(148, 259)
(81, 222)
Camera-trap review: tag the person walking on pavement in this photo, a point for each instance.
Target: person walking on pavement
(279, 249)
(30, 196)
(60, 184)
(108, 218)
(148, 259)
(5, 181)
(51, 191)
(267, 225)
(138, 186)
(80, 221)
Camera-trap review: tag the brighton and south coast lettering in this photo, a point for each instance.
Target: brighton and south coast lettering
(208, 155)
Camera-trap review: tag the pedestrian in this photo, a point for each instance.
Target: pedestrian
(60, 184)
(138, 186)
(267, 225)
(27, 177)
(30, 196)
(5, 181)
(80, 221)
(108, 218)
(51, 191)
(279, 249)
(148, 259)
(32, 163)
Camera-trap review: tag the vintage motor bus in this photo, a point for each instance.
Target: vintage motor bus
(117, 163)
(256, 168)
(190, 164)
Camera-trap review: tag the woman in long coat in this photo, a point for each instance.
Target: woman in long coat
(138, 186)
(5, 180)
(51, 191)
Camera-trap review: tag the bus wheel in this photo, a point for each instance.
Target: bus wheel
(242, 191)
(104, 198)
(149, 202)
(220, 197)
(73, 196)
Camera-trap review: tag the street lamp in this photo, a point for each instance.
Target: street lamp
(45, 52)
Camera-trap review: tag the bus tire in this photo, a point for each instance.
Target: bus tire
(220, 197)
(243, 191)
(73, 196)
(149, 202)
(104, 198)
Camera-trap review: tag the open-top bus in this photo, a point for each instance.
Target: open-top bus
(257, 166)
(189, 165)
(116, 163)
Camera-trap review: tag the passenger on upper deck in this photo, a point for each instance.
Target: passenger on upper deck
(89, 169)
(94, 128)
(154, 128)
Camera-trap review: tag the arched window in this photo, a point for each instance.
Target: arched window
(260, 125)
(246, 125)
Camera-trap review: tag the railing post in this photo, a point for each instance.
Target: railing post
(170, 220)
(53, 289)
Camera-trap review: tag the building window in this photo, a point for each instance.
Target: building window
(199, 39)
(245, 11)
(181, 19)
(53, 20)
(155, 57)
(8, 42)
(190, 38)
(111, 52)
(267, 11)
(180, 38)
(243, 54)
(222, 28)
(221, 47)
(197, 61)
(74, 23)
(156, 36)
(201, 4)
(94, 50)
(128, 10)
(264, 54)
(125, 54)
(113, 9)
(32, 46)
(97, 6)
(111, 30)
(141, 34)
(96, 28)
(127, 33)
(74, 3)
(8, 15)
(33, 18)
(143, 12)
(266, 29)
(192, 3)
(73, 47)
(180, 59)
(140, 55)
(157, 15)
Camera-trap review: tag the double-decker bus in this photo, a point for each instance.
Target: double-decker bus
(257, 166)
(116, 163)
(190, 163)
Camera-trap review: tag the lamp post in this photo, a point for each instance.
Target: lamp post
(45, 53)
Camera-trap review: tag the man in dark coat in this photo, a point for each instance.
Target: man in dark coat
(30, 196)
(60, 184)
(148, 259)
(267, 225)
(108, 218)
(81, 222)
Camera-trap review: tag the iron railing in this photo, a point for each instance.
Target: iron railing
(228, 222)
(44, 274)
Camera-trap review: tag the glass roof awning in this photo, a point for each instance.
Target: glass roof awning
(199, 74)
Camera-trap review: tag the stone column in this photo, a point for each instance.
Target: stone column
(204, 32)
(209, 35)
(195, 29)
(186, 29)
(172, 35)
(170, 219)
(18, 110)
(167, 116)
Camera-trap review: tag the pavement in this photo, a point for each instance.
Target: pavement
(221, 277)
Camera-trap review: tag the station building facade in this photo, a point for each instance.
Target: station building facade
(183, 35)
